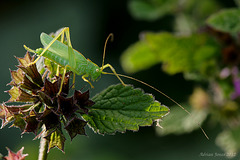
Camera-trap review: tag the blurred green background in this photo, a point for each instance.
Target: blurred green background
(90, 22)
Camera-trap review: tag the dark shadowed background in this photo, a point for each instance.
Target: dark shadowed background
(90, 22)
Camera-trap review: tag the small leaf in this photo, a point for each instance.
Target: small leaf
(5, 115)
(29, 85)
(19, 122)
(237, 2)
(151, 10)
(66, 107)
(25, 60)
(46, 99)
(50, 119)
(75, 126)
(13, 113)
(138, 56)
(51, 89)
(178, 122)
(82, 100)
(226, 20)
(33, 73)
(19, 95)
(17, 77)
(229, 141)
(17, 109)
(121, 108)
(32, 124)
(56, 139)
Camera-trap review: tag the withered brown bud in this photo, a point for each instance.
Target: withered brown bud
(42, 104)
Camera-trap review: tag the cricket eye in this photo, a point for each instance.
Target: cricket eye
(97, 70)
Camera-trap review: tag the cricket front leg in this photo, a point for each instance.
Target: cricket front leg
(62, 80)
(84, 78)
(71, 54)
(114, 72)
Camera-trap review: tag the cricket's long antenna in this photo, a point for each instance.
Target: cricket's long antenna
(105, 45)
(125, 76)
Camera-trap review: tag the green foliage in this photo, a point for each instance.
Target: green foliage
(56, 139)
(178, 122)
(187, 15)
(226, 20)
(229, 141)
(204, 45)
(138, 57)
(237, 2)
(120, 108)
(187, 54)
(152, 9)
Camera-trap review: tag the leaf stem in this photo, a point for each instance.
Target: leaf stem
(43, 148)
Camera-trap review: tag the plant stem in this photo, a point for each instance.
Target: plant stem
(43, 148)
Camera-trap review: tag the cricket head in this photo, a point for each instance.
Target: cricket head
(96, 73)
(39, 51)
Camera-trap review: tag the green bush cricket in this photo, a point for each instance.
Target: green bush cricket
(69, 58)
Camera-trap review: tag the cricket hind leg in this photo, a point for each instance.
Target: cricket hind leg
(50, 44)
(72, 60)
(62, 33)
(65, 31)
(114, 72)
(58, 66)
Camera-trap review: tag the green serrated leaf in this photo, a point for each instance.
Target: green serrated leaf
(120, 108)
(226, 20)
(195, 53)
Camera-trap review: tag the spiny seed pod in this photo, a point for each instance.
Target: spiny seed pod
(38, 102)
